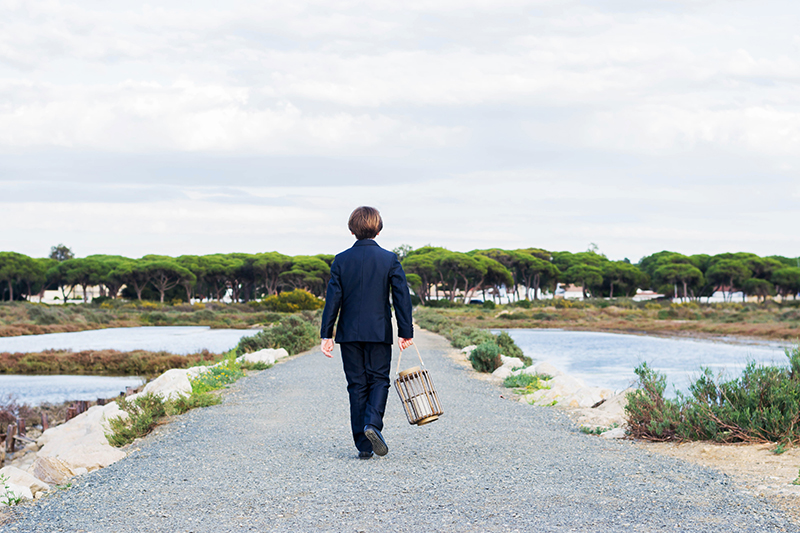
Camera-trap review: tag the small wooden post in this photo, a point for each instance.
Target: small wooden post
(83, 405)
(45, 422)
(72, 412)
(12, 430)
(21, 427)
(128, 391)
(101, 401)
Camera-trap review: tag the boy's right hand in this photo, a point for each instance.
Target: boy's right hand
(405, 343)
(327, 347)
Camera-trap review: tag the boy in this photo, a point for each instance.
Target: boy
(358, 292)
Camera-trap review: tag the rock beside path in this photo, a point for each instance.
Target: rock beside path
(81, 442)
(267, 356)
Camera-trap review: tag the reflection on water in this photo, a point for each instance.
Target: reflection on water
(35, 390)
(175, 339)
(608, 359)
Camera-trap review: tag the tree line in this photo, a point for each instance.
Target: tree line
(525, 273)
(241, 276)
(433, 273)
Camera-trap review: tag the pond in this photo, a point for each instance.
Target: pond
(608, 359)
(35, 390)
(175, 339)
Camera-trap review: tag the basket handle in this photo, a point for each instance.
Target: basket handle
(399, 357)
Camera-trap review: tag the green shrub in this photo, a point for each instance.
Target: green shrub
(292, 301)
(486, 357)
(183, 403)
(651, 416)
(44, 316)
(143, 413)
(525, 304)
(762, 405)
(510, 348)
(527, 382)
(293, 333)
(260, 365)
(217, 377)
(488, 304)
(467, 336)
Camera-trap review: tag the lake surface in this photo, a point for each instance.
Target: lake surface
(35, 390)
(175, 339)
(608, 359)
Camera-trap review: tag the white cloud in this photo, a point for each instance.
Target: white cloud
(511, 123)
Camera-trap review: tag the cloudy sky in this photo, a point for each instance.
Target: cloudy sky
(202, 127)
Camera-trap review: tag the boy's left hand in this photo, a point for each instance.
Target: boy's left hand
(405, 343)
(327, 347)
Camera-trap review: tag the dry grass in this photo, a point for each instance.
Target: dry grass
(771, 323)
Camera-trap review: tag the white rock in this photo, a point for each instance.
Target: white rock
(51, 470)
(38, 495)
(81, 442)
(170, 384)
(616, 433)
(81, 471)
(19, 491)
(615, 405)
(466, 350)
(515, 362)
(502, 372)
(267, 356)
(19, 477)
(195, 371)
(585, 397)
(544, 367)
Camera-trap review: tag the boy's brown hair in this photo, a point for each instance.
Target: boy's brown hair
(365, 222)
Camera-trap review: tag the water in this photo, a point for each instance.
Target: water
(608, 359)
(35, 390)
(175, 339)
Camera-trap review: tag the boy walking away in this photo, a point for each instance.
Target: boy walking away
(358, 293)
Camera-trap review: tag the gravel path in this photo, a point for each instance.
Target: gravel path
(277, 455)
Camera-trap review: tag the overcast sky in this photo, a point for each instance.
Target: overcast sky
(202, 127)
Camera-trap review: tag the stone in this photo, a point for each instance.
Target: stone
(616, 433)
(514, 362)
(81, 442)
(38, 495)
(467, 350)
(267, 356)
(18, 477)
(170, 384)
(51, 470)
(585, 397)
(502, 372)
(545, 368)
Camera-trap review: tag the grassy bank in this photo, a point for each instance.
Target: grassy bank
(766, 321)
(100, 362)
(24, 318)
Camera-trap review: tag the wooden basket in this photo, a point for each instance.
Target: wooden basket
(417, 393)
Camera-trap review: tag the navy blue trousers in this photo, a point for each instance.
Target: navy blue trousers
(366, 367)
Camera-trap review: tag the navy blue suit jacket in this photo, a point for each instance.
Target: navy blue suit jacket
(358, 292)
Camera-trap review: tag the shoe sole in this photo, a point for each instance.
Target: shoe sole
(378, 446)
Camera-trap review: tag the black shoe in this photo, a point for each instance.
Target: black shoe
(364, 455)
(378, 444)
